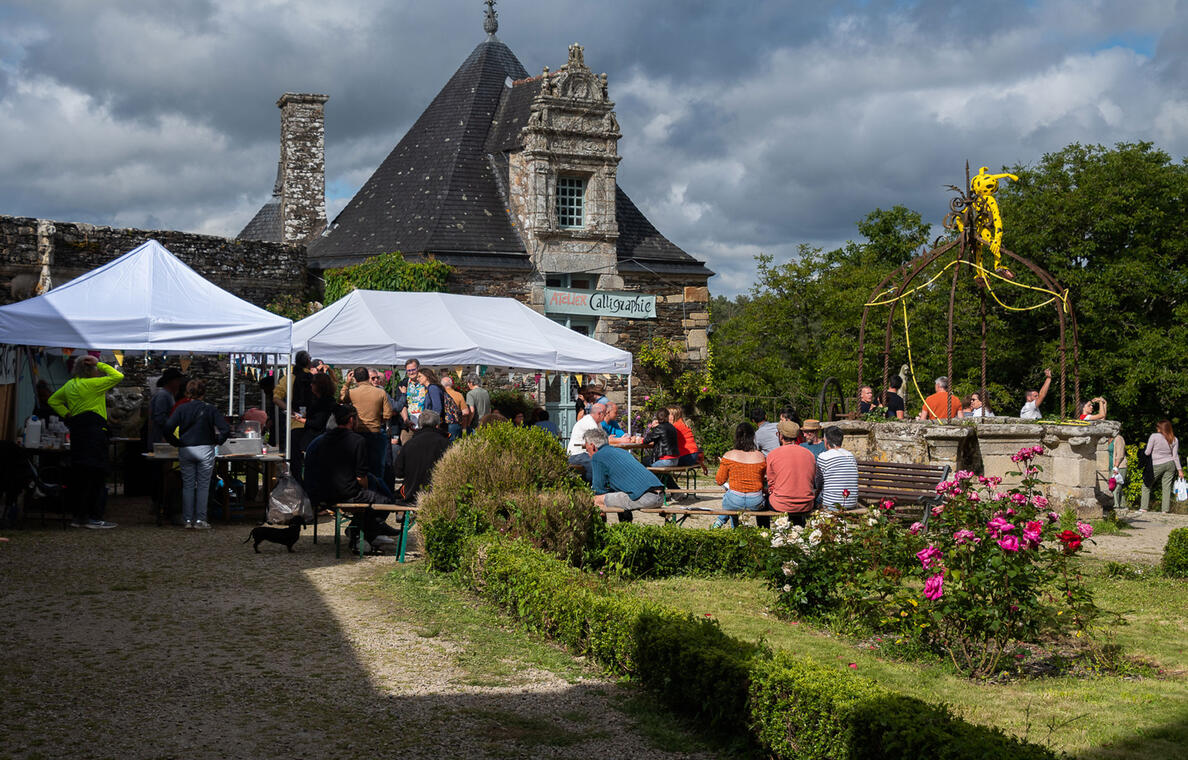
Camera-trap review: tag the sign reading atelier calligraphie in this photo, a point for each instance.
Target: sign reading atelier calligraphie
(600, 303)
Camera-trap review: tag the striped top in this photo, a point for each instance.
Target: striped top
(839, 475)
(744, 477)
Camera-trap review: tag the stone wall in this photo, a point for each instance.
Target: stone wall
(255, 271)
(1075, 461)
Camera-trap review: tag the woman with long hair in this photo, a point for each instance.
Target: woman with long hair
(434, 393)
(1164, 449)
(741, 470)
(196, 428)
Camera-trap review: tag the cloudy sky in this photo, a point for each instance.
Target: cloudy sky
(748, 127)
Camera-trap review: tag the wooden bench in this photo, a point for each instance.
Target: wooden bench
(408, 515)
(689, 471)
(901, 484)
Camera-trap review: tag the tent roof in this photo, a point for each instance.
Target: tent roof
(146, 300)
(381, 327)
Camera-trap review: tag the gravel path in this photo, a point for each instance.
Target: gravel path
(146, 642)
(1143, 542)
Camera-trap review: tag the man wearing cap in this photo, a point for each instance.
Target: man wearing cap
(812, 437)
(793, 479)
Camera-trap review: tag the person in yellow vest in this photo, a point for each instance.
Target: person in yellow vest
(82, 403)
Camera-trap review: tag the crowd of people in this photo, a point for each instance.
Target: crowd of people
(375, 437)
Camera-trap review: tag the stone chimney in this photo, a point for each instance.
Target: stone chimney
(302, 177)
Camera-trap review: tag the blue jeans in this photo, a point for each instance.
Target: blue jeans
(197, 464)
(688, 460)
(751, 502)
(455, 431)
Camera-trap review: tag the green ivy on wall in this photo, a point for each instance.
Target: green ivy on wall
(388, 271)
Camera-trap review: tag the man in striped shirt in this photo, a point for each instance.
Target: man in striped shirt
(839, 473)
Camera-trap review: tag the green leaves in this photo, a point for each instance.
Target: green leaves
(387, 272)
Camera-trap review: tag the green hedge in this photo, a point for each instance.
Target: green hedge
(791, 707)
(662, 551)
(1175, 554)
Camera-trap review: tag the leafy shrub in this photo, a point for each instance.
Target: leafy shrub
(510, 479)
(842, 566)
(792, 707)
(1175, 554)
(994, 568)
(661, 551)
(387, 271)
(509, 403)
(1133, 488)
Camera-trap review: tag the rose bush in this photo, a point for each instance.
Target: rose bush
(990, 572)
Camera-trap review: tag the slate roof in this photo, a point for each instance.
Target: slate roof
(443, 188)
(266, 224)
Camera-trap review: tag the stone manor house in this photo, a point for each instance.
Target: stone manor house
(509, 178)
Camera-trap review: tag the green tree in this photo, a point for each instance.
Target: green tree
(1110, 225)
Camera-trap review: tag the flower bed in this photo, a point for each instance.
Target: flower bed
(990, 574)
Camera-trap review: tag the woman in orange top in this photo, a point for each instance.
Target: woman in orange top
(742, 471)
(686, 443)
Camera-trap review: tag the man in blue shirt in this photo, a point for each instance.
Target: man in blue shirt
(619, 480)
(812, 437)
(610, 422)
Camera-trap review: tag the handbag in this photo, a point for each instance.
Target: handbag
(1181, 489)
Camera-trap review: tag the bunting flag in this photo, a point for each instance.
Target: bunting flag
(579, 379)
(185, 362)
(67, 351)
(119, 357)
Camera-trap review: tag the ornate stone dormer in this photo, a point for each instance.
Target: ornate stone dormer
(563, 180)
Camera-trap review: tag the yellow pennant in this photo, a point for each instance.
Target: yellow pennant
(119, 356)
(185, 362)
(579, 379)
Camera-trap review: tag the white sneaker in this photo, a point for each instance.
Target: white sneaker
(77, 524)
(189, 525)
(99, 525)
(201, 525)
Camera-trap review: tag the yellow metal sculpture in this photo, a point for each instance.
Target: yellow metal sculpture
(987, 221)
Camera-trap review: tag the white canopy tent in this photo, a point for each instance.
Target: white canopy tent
(389, 328)
(383, 327)
(146, 300)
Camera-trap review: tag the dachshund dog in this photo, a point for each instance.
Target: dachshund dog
(286, 536)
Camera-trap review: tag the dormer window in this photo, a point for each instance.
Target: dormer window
(571, 202)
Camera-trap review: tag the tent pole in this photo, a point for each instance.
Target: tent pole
(629, 404)
(289, 411)
(231, 384)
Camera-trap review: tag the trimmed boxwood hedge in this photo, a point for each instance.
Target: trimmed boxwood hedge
(662, 551)
(791, 707)
(1175, 554)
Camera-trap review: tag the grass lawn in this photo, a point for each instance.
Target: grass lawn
(1097, 717)
(494, 650)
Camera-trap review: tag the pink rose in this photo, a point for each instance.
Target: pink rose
(1085, 529)
(929, 555)
(998, 525)
(937, 510)
(915, 528)
(963, 536)
(1009, 543)
(973, 496)
(1053, 517)
(934, 587)
(1039, 502)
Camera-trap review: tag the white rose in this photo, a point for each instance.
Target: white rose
(787, 588)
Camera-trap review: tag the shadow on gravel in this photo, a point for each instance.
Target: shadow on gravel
(147, 642)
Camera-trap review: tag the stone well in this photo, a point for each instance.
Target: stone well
(1075, 461)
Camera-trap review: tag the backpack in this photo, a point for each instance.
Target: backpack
(451, 412)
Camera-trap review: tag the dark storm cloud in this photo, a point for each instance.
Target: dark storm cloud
(748, 126)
